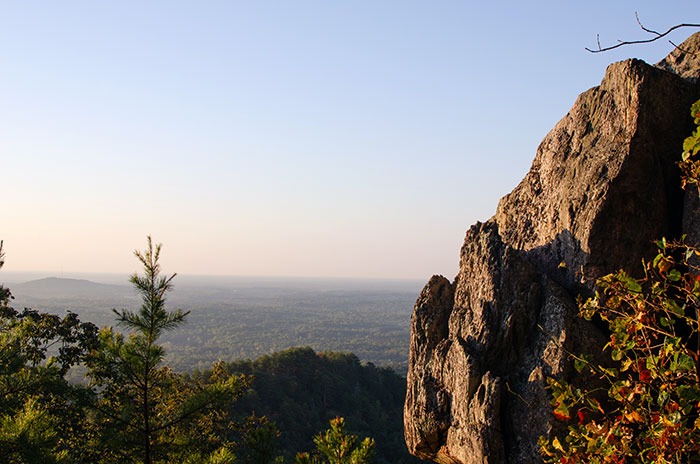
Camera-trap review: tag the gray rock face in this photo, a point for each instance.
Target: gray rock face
(602, 187)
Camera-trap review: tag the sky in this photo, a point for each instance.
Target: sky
(275, 138)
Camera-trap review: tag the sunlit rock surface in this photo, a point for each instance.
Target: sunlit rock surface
(603, 185)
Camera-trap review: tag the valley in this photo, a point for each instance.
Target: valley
(236, 318)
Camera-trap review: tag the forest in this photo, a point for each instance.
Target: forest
(244, 318)
(132, 405)
(300, 390)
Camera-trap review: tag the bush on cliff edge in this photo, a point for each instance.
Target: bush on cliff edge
(647, 407)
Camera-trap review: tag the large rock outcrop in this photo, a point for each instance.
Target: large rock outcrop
(603, 185)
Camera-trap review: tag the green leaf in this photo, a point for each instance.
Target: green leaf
(674, 275)
(581, 363)
(616, 354)
(651, 363)
(631, 283)
(673, 307)
(691, 143)
(626, 364)
(595, 405)
(684, 362)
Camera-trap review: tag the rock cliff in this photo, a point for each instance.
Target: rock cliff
(603, 185)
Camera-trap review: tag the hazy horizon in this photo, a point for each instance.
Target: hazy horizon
(9, 278)
(305, 139)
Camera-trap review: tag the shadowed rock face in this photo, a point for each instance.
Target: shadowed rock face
(602, 187)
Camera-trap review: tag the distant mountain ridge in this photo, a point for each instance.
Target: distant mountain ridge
(59, 287)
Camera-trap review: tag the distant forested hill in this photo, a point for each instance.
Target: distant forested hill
(300, 390)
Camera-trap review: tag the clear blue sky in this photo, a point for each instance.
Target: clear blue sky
(286, 138)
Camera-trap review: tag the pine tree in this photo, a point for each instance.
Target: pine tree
(337, 446)
(144, 406)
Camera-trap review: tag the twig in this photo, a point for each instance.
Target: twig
(657, 36)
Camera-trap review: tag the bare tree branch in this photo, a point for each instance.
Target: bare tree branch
(657, 36)
(650, 31)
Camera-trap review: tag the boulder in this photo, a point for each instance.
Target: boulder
(603, 185)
